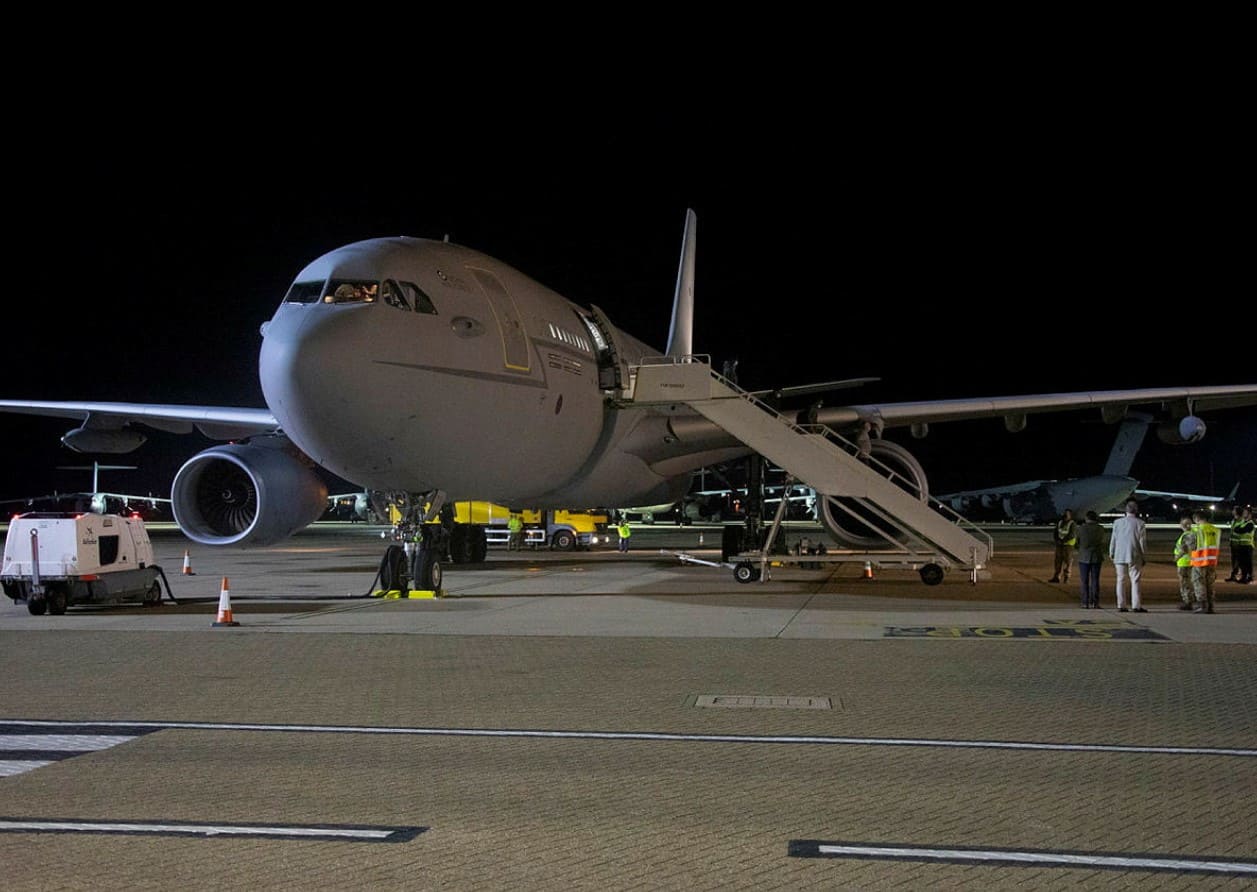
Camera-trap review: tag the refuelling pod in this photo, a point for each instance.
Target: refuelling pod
(1188, 429)
(246, 494)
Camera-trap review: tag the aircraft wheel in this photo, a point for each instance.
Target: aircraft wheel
(37, 606)
(931, 574)
(430, 574)
(563, 540)
(393, 568)
(745, 572)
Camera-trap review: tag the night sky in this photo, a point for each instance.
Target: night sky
(952, 248)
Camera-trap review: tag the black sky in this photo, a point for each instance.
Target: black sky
(953, 242)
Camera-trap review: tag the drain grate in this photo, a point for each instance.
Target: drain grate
(754, 701)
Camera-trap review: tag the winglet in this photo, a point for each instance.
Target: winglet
(681, 332)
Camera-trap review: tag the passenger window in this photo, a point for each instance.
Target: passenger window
(342, 291)
(421, 301)
(304, 293)
(392, 295)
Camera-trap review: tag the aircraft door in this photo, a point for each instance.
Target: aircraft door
(515, 353)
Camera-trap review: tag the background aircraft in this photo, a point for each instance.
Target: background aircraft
(96, 501)
(1044, 501)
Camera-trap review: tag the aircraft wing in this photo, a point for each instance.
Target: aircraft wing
(1183, 400)
(1184, 496)
(215, 422)
(995, 491)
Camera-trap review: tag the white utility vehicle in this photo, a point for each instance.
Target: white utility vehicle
(53, 561)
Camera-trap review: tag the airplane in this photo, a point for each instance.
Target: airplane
(429, 373)
(1045, 501)
(96, 501)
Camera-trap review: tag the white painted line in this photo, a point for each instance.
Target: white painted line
(57, 742)
(1059, 859)
(189, 828)
(517, 733)
(10, 767)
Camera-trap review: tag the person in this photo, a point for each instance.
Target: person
(1183, 549)
(516, 527)
(1204, 560)
(1127, 549)
(1090, 557)
(1237, 516)
(1065, 535)
(1242, 546)
(625, 532)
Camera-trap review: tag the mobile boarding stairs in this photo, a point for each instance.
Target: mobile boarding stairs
(924, 535)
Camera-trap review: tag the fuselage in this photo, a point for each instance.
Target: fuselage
(409, 364)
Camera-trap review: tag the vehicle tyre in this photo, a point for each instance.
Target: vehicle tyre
(37, 606)
(479, 545)
(57, 602)
(932, 574)
(745, 572)
(461, 545)
(154, 594)
(563, 540)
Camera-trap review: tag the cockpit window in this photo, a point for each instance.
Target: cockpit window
(351, 291)
(304, 292)
(392, 295)
(422, 303)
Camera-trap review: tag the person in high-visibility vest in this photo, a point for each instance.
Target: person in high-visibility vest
(515, 526)
(1183, 549)
(625, 532)
(1204, 560)
(1241, 536)
(1065, 536)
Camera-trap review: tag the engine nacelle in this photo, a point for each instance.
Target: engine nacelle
(246, 494)
(848, 523)
(1188, 429)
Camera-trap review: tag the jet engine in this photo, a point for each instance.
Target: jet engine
(255, 493)
(1188, 429)
(852, 524)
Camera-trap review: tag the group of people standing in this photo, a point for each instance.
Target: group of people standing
(1195, 553)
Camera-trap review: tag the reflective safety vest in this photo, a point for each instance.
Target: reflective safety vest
(1183, 556)
(1242, 532)
(624, 531)
(515, 523)
(1067, 533)
(1205, 554)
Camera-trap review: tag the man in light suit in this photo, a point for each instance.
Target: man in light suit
(1127, 547)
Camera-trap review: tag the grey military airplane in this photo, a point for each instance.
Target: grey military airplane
(96, 501)
(1044, 501)
(428, 372)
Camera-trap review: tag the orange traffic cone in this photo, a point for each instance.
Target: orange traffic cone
(187, 564)
(224, 607)
(868, 570)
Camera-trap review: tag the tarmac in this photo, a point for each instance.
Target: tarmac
(625, 721)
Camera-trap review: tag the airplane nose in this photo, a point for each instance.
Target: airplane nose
(307, 353)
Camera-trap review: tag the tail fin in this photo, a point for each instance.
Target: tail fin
(681, 332)
(1130, 436)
